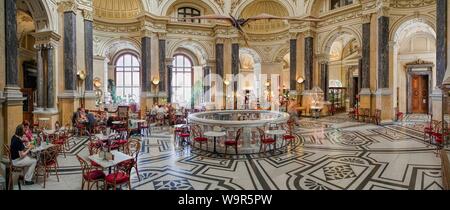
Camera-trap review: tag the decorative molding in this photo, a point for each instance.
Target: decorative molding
(88, 15)
(46, 38)
(68, 6)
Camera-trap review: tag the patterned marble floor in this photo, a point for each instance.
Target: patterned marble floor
(332, 154)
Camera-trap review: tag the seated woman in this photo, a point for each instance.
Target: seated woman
(28, 134)
(19, 155)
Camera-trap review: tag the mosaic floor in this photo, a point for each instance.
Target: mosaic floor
(332, 154)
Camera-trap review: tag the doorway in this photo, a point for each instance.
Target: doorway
(419, 97)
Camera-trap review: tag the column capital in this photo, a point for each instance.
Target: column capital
(293, 35)
(162, 35)
(383, 11)
(366, 18)
(147, 33)
(88, 15)
(220, 40)
(68, 6)
(309, 33)
(48, 38)
(323, 58)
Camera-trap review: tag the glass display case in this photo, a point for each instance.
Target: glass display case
(337, 96)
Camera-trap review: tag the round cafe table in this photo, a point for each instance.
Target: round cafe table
(215, 134)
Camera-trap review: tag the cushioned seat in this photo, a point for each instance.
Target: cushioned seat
(118, 178)
(268, 141)
(200, 139)
(288, 137)
(184, 135)
(94, 175)
(230, 142)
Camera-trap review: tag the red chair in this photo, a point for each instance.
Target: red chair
(49, 162)
(439, 135)
(132, 149)
(184, 135)
(90, 174)
(377, 117)
(198, 136)
(399, 115)
(289, 136)
(429, 129)
(121, 176)
(233, 142)
(265, 141)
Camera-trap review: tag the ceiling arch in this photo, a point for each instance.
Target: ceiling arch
(39, 10)
(410, 25)
(117, 9)
(200, 51)
(343, 34)
(265, 26)
(209, 7)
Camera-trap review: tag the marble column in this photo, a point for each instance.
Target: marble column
(70, 51)
(220, 100)
(365, 60)
(40, 78)
(207, 84)
(162, 65)
(293, 64)
(169, 83)
(13, 107)
(11, 43)
(441, 40)
(324, 82)
(89, 55)
(383, 52)
(359, 75)
(219, 60)
(146, 64)
(309, 62)
(235, 70)
(51, 105)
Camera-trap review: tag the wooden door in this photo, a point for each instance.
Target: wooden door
(420, 94)
(28, 104)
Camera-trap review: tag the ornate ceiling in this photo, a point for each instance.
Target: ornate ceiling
(117, 9)
(266, 26)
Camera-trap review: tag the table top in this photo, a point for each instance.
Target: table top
(44, 119)
(179, 125)
(138, 121)
(102, 137)
(316, 107)
(43, 147)
(276, 132)
(215, 134)
(117, 122)
(118, 158)
(49, 131)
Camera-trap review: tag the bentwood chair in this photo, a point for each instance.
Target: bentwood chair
(234, 142)
(265, 141)
(289, 136)
(121, 176)
(377, 117)
(50, 162)
(439, 135)
(13, 169)
(198, 136)
(90, 174)
(132, 148)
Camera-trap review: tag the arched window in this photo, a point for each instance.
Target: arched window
(339, 3)
(185, 12)
(128, 79)
(182, 80)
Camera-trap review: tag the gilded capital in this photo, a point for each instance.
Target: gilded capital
(88, 15)
(68, 6)
(366, 18)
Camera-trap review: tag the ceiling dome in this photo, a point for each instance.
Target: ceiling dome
(265, 26)
(117, 9)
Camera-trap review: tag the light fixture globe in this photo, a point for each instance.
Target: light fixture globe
(300, 80)
(81, 75)
(155, 81)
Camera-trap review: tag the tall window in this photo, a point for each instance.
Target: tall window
(185, 12)
(182, 80)
(128, 80)
(340, 3)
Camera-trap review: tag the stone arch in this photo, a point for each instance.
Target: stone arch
(43, 12)
(198, 49)
(279, 55)
(164, 8)
(109, 49)
(328, 42)
(423, 20)
(254, 54)
(288, 5)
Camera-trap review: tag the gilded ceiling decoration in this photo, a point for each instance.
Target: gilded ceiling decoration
(117, 9)
(265, 26)
(411, 3)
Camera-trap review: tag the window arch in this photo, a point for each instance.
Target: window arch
(187, 12)
(128, 78)
(182, 74)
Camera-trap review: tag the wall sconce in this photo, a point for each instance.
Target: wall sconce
(155, 81)
(300, 80)
(267, 83)
(226, 82)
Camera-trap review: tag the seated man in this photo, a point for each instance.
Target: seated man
(19, 155)
(91, 120)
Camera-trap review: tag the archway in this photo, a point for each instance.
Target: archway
(339, 69)
(249, 80)
(414, 55)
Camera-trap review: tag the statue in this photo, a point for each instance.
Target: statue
(112, 90)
